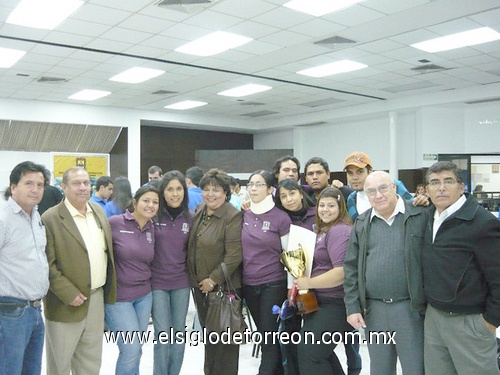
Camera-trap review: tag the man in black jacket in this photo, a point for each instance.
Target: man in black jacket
(461, 266)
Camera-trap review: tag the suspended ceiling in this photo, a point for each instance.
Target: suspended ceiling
(104, 38)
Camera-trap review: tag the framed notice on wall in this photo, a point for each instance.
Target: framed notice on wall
(96, 165)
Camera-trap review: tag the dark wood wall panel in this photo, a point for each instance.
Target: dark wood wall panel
(174, 148)
(239, 161)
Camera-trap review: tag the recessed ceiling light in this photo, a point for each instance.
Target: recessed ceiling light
(213, 44)
(136, 75)
(319, 8)
(342, 66)
(43, 14)
(186, 104)
(9, 57)
(458, 40)
(89, 95)
(245, 90)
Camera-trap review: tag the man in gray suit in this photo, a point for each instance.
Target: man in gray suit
(383, 277)
(82, 275)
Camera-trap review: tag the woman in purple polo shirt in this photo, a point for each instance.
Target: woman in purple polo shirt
(263, 237)
(291, 198)
(170, 281)
(133, 244)
(327, 278)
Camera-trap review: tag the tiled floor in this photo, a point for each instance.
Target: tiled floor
(194, 357)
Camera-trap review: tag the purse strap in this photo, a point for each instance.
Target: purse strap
(229, 284)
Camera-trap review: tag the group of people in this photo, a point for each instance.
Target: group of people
(426, 279)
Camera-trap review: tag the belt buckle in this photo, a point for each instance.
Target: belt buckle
(37, 303)
(388, 300)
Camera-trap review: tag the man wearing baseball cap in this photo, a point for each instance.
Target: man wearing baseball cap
(358, 166)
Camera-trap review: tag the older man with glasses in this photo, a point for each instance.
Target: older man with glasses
(461, 267)
(383, 278)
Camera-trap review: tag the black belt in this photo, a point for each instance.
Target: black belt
(14, 305)
(390, 300)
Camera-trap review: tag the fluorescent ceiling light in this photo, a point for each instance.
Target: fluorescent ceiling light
(9, 57)
(43, 14)
(458, 40)
(186, 104)
(342, 66)
(89, 95)
(245, 90)
(319, 8)
(214, 43)
(136, 75)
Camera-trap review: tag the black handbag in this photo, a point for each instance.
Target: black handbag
(224, 312)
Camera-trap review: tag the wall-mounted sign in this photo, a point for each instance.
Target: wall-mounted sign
(430, 157)
(96, 165)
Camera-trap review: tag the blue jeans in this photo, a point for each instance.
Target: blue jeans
(169, 311)
(21, 339)
(129, 317)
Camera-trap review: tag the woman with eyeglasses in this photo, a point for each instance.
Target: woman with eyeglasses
(327, 278)
(264, 236)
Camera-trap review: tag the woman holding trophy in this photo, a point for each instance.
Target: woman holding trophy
(327, 276)
(264, 235)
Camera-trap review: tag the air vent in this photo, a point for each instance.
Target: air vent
(164, 92)
(491, 100)
(185, 6)
(334, 42)
(259, 113)
(322, 102)
(51, 80)
(251, 103)
(428, 68)
(410, 87)
(168, 3)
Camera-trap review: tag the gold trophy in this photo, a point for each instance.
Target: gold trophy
(295, 263)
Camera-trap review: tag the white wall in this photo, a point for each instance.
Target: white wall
(482, 128)
(334, 142)
(428, 130)
(11, 158)
(274, 140)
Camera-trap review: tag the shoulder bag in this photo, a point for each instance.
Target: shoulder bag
(224, 311)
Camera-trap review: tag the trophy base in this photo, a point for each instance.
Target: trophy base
(306, 302)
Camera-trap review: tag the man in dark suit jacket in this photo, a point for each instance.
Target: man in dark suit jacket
(82, 275)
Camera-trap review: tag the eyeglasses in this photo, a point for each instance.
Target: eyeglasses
(382, 189)
(447, 182)
(256, 184)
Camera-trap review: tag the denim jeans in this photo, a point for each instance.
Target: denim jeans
(21, 339)
(129, 317)
(169, 311)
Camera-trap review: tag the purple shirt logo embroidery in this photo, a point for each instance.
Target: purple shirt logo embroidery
(266, 225)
